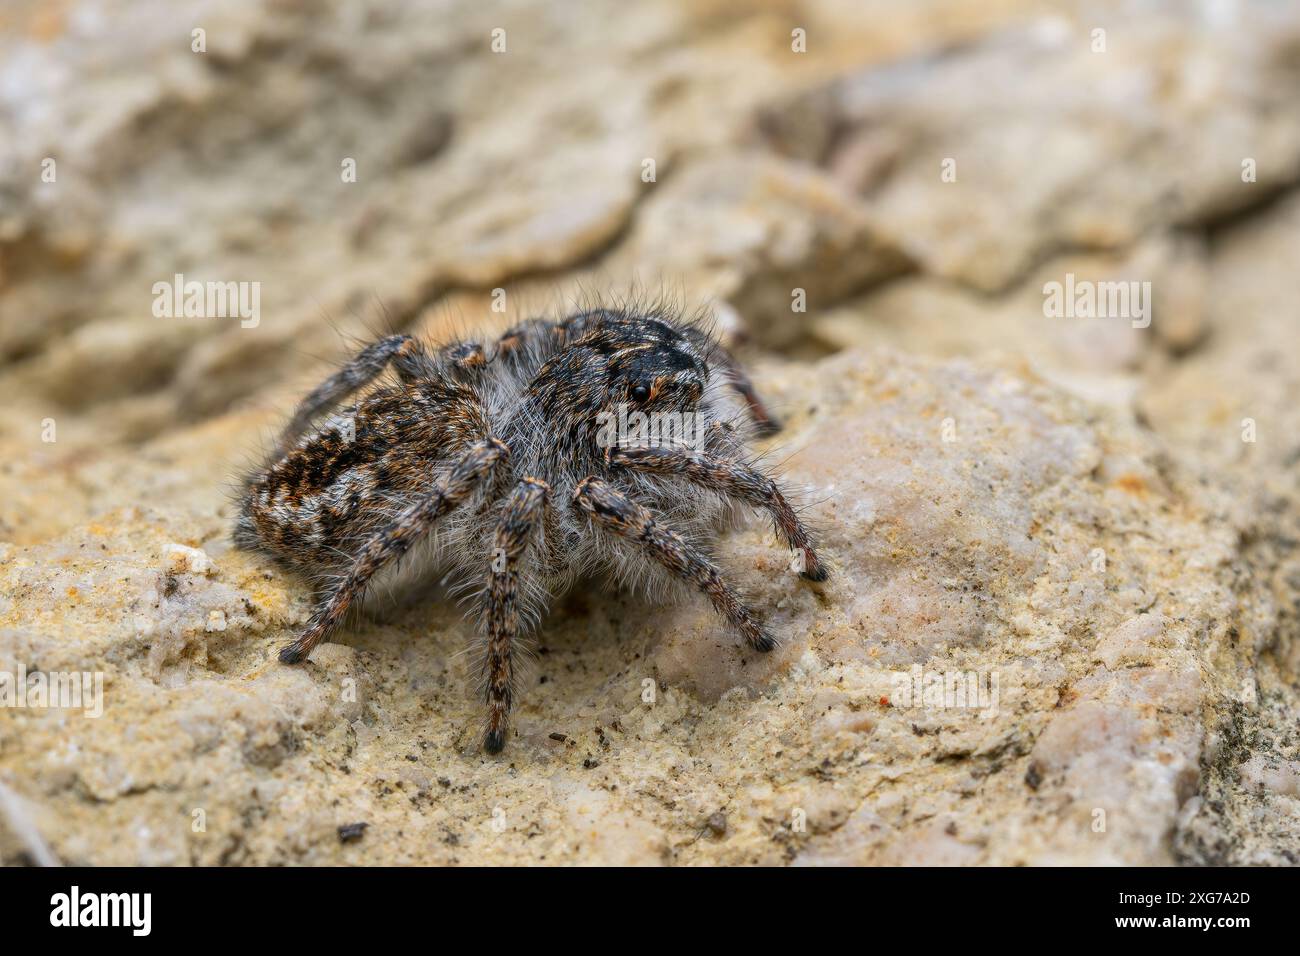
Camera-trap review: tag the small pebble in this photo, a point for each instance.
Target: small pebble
(351, 832)
(179, 558)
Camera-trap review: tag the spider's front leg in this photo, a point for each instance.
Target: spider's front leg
(734, 480)
(515, 529)
(394, 540)
(612, 510)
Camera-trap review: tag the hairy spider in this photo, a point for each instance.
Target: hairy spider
(471, 455)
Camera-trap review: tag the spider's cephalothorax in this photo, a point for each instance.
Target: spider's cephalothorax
(611, 441)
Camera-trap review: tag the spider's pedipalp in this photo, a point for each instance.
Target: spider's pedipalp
(612, 510)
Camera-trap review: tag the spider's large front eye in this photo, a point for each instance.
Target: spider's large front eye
(640, 393)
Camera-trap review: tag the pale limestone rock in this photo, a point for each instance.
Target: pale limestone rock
(1282, 777)
(1008, 148)
(1137, 641)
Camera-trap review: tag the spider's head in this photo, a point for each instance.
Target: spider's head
(619, 368)
(652, 367)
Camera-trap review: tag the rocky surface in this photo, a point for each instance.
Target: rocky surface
(1085, 527)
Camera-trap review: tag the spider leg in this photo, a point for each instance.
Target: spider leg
(405, 353)
(464, 360)
(517, 336)
(765, 422)
(514, 531)
(393, 541)
(609, 508)
(733, 479)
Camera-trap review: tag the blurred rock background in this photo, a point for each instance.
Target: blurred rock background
(871, 196)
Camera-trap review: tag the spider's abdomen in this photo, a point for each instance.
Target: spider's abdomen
(357, 468)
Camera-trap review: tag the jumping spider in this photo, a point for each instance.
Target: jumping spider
(470, 455)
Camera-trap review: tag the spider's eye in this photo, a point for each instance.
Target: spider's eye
(640, 393)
